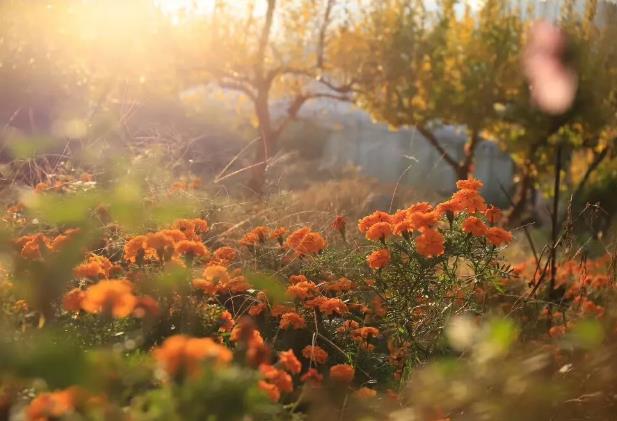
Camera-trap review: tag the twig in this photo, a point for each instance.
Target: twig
(235, 158)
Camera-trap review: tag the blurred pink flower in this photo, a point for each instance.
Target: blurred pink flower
(553, 85)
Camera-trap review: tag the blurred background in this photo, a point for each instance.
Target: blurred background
(264, 96)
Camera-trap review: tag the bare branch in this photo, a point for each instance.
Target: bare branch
(432, 139)
(237, 86)
(342, 98)
(470, 149)
(597, 160)
(322, 33)
(292, 112)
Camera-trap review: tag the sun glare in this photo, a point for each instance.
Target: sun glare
(179, 9)
(176, 9)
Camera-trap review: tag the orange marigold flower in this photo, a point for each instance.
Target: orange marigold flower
(420, 207)
(208, 287)
(41, 187)
(180, 354)
(365, 393)
(159, 241)
(304, 242)
(342, 373)
(134, 249)
(216, 273)
(178, 186)
(72, 300)
(271, 390)
(312, 376)
(226, 322)
(292, 320)
(201, 225)
(279, 378)
(378, 306)
(302, 290)
(339, 224)
(333, 306)
(290, 362)
(421, 220)
(315, 302)
(96, 266)
(493, 214)
(256, 235)
(399, 216)
(469, 200)
(475, 226)
(59, 242)
(294, 279)
(557, 331)
(90, 270)
(16, 208)
(403, 227)
(470, 183)
(175, 234)
(341, 285)
(191, 249)
(244, 331)
(113, 296)
(348, 325)
(279, 309)
(257, 309)
(368, 221)
(33, 245)
(366, 332)
(146, 307)
(430, 243)
(379, 231)
(278, 233)
(315, 353)
(52, 405)
(498, 236)
(227, 254)
(191, 227)
(258, 352)
(215, 279)
(449, 207)
(237, 285)
(378, 259)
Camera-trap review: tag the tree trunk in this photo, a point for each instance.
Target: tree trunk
(465, 168)
(520, 203)
(258, 171)
(462, 172)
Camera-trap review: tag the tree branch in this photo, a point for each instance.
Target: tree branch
(432, 139)
(597, 160)
(292, 112)
(322, 33)
(240, 87)
(470, 149)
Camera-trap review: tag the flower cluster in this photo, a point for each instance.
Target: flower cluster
(183, 240)
(35, 246)
(180, 355)
(426, 227)
(281, 302)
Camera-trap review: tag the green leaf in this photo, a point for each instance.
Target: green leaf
(587, 334)
(268, 284)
